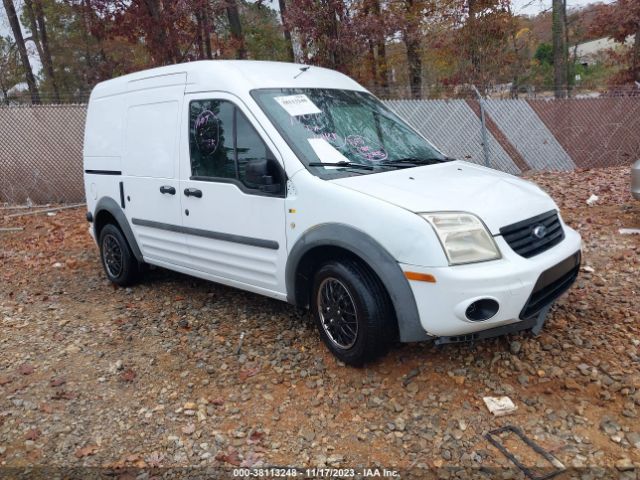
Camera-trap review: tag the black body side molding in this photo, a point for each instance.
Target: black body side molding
(104, 172)
(227, 237)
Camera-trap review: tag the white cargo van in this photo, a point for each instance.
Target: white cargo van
(296, 183)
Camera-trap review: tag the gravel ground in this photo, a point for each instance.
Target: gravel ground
(147, 378)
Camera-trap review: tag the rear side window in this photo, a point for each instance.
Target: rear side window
(222, 141)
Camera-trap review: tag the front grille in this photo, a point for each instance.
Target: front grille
(551, 284)
(522, 238)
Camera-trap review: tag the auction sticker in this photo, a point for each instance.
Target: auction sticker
(326, 152)
(297, 105)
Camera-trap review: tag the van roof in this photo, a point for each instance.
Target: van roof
(235, 76)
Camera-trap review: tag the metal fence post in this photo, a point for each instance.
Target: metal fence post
(485, 141)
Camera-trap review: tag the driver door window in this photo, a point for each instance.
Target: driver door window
(222, 142)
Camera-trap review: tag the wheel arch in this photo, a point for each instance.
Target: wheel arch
(329, 240)
(108, 211)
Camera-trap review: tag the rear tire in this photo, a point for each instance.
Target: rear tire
(118, 261)
(352, 311)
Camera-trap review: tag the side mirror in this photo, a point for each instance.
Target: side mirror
(263, 174)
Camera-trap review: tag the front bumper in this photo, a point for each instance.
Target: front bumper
(522, 287)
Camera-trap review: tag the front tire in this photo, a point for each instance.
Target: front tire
(118, 261)
(352, 311)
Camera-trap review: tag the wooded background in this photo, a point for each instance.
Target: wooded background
(397, 48)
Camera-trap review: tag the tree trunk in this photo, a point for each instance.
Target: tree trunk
(559, 49)
(381, 50)
(199, 35)
(334, 54)
(635, 61)
(415, 67)
(412, 41)
(86, 29)
(162, 42)
(47, 61)
(174, 49)
(5, 92)
(373, 67)
(206, 31)
(22, 49)
(287, 32)
(235, 26)
(33, 26)
(383, 67)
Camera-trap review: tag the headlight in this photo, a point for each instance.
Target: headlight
(464, 237)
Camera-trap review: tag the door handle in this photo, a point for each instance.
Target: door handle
(193, 192)
(167, 189)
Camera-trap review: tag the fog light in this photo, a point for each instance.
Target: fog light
(482, 310)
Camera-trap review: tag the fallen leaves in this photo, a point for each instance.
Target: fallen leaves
(64, 395)
(245, 374)
(230, 456)
(256, 436)
(86, 451)
(26, 369)
(33, 434)
(56, 382)
(128, 375)
(154, 459)
(251, 460)
(5, 380)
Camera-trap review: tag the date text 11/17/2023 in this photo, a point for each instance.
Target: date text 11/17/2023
(291, 472)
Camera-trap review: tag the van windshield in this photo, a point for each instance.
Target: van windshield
(344, 132)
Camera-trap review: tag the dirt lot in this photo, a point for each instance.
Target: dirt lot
(149, 378)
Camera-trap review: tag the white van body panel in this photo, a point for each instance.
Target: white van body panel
(226, 209)
(405, 235)
(457, 186)
(137, 146)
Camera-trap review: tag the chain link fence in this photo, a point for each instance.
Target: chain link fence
(41, 154)
(41, 146)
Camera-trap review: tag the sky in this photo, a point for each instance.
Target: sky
(532, 7)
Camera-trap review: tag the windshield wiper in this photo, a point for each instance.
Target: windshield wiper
(341, 164)
(413, 162)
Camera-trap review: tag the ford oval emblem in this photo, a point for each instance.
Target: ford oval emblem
(540, 231)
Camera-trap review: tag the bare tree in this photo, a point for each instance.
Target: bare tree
(40, 38)
(22, 49)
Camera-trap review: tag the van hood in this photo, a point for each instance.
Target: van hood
(499, 199)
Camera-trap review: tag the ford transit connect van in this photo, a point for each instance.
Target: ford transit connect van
(296, 183)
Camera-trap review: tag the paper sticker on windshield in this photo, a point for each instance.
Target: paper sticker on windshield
(326, 152)
(296, 105)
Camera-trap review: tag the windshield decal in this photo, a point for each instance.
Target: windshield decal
(296, 105)
(326, 152)
(365, 148)
(207, 132)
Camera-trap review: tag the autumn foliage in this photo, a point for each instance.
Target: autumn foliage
(410, 48)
